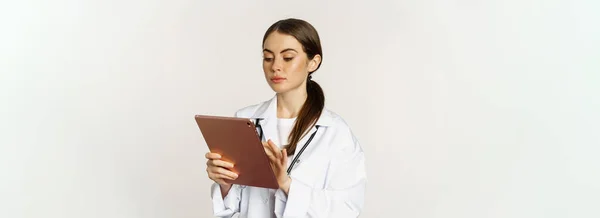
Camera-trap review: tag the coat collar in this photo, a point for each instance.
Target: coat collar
(267, 113)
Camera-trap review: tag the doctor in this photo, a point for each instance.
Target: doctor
(318, 162)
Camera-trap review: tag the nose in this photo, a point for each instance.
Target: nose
(276, 66)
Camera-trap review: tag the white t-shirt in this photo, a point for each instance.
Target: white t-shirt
(284, 127)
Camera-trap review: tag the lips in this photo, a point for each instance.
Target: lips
(277, 79)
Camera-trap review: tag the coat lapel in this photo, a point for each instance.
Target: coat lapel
(267, 113)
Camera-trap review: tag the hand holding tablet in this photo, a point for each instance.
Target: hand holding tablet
(218, 170)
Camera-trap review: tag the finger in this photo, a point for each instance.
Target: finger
(224, 172)
(212, 156)
(228, 174)
(220, 163)
(268, 146)
(270, 154)
(285, 157)
(221, 176)
(268, 149)
(275, 149)
(218, 170)
(217, 179)
(210, 163)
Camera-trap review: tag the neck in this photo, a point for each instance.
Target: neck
(290, 103)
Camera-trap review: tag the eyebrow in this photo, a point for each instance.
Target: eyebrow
(284, 50)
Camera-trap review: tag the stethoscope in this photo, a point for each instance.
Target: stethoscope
(289, 170)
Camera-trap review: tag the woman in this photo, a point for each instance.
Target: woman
(328, 176)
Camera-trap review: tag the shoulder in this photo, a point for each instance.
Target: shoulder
(344, 137)
(335, 121)
(249, 110)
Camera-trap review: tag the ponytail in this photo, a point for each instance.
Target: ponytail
(309, 114)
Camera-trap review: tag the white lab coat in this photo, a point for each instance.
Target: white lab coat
(328, 180)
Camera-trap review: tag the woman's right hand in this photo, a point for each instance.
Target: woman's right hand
(218, 169)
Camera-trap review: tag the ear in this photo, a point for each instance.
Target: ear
(314, 63)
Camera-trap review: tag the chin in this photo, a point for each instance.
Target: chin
(279, 88)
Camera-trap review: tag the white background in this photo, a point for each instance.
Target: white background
(464, 108)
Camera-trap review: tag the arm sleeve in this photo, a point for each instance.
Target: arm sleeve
(230, 205)
(343, 195)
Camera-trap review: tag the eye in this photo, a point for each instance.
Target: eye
(267, 59)
(288, 59)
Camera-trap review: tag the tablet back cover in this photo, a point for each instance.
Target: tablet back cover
(236, 140)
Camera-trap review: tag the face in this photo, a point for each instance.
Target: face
(285, 64)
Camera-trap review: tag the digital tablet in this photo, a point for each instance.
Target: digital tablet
(236, 140)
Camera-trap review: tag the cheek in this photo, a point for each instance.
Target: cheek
(297, 68)
(266, 67)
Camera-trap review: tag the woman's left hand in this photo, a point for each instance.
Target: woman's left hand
(279, 161)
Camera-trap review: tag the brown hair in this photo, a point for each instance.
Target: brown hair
(311, 110)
